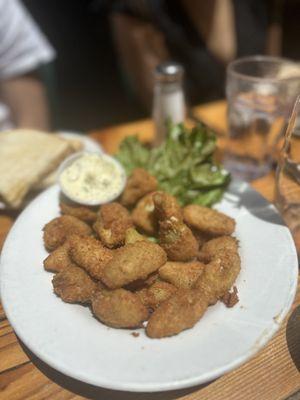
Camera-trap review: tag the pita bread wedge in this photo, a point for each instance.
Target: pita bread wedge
(26, 157)
(51, 178)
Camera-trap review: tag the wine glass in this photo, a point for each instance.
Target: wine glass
(287, 189)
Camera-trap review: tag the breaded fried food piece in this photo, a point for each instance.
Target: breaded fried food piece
(74, 285)
(166, 207)
(111, 225)
(208, 220)
(143, 215)
(177, 240)
(182, 275)
(151, 278)
(132, 262)
(153, 296)
(57, 230)
(186, 306)
(59, 259)
(201, 237)
(174, 236)
(83, 213)
(132, 236)
(119, 308)
(219, 275)
(213, 246)
(138, 185)
(142, 283)
(89, 254)
(181, 311)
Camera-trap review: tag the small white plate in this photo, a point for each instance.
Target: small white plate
(69, 339)
(89, 144)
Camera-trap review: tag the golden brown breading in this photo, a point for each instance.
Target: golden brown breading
(151, 278)
(187, 306)
(182, 275)
(213, 246)
(74, 285)
(142, 283)
(135, 285)
(119, 308)
(59, 259)
(166, 207)
(89, 254)
(219, 275)
(208, 220)
(138, 185)
(83, 213)
(153, 296)
(132, 236)
(177, 240)
(201, 237)
(143, 215)
(111, 225)
(57, 230)
(174, 236)
(181, 311)
(111, 212)
(132, 262)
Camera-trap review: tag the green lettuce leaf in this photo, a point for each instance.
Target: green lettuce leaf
(183, 164)
(133, 154)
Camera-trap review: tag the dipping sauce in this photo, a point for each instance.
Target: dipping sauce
(92, 179)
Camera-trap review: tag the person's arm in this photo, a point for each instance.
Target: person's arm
(274, 33)
(23, 50)
(140, 47)
(214, 20)
(26, 98)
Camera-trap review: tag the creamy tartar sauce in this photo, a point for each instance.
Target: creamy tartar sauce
(93, 179)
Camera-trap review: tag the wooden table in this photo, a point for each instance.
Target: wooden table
(272, 374)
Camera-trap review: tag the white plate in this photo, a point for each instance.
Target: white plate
(69, 339)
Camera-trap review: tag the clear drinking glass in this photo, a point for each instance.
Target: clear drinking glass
(287, 194)
(260, 92)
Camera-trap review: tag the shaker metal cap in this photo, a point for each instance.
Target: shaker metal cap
(169, 72)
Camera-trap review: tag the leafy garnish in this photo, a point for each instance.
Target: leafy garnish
(183, 164)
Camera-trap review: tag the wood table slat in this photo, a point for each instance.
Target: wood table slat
(11, 353)
(2, 314)
(5, 327)
(6, 223)
(266, 186)
(213, 114)
(111, 137)
(27, 382)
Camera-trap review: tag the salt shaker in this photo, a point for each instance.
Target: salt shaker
(168, 99)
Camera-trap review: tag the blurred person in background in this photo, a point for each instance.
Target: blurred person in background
(23, 50)
(204, 36)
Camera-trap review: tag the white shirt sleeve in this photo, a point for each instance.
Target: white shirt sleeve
(23, 47)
